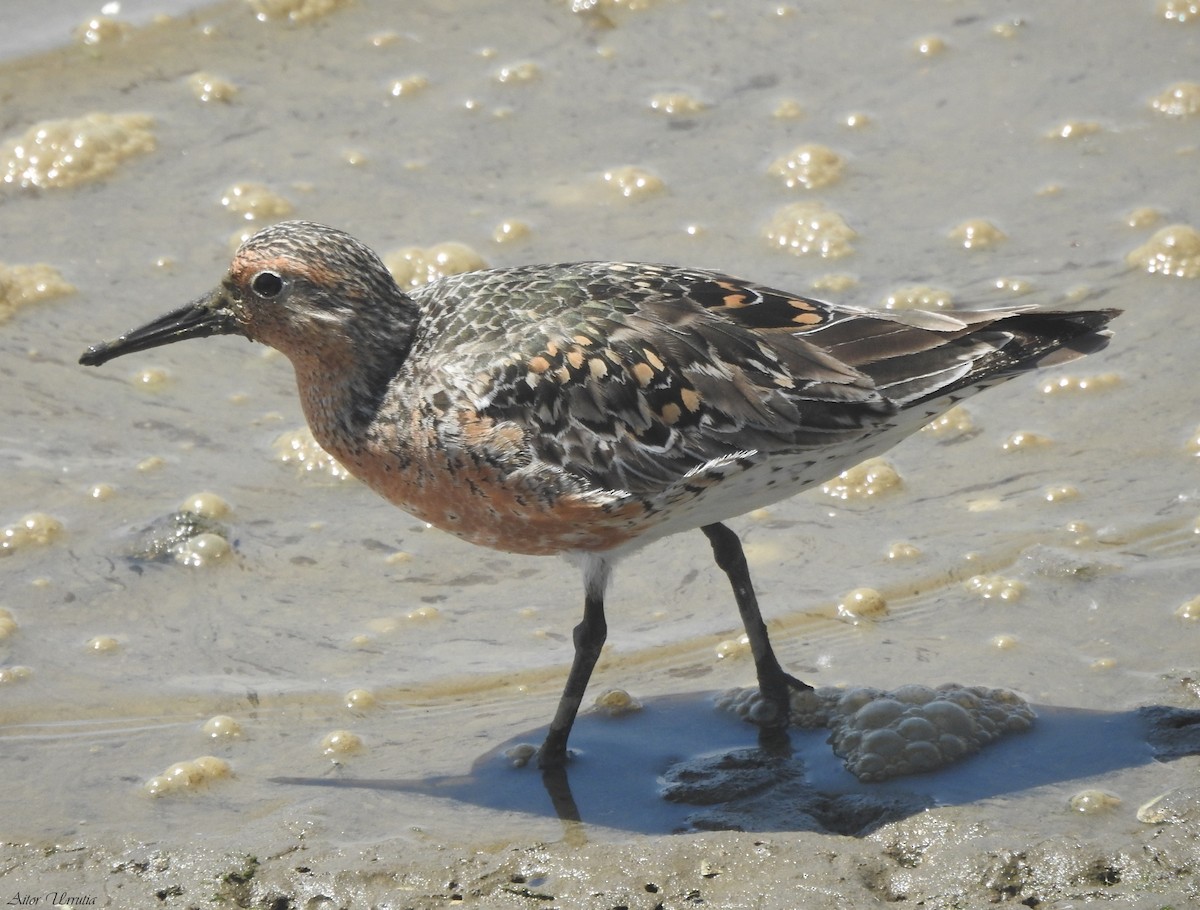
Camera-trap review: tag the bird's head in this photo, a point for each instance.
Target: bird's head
(300, 287)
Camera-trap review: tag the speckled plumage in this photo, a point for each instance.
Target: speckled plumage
(588, 408)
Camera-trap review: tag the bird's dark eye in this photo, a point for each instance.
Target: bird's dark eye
(267, 284)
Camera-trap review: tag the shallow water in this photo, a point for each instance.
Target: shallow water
(314, 602)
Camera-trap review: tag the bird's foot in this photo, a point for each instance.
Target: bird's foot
(553, 753)
(798, 684)
(774, 711)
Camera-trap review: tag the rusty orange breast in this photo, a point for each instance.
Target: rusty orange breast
(459, 473)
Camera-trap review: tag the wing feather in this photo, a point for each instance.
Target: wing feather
(638, 377)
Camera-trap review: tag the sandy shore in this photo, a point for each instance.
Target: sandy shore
(357, 676)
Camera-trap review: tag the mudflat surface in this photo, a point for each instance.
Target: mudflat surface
(1047, 543)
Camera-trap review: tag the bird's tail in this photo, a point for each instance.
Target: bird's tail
(988, 349)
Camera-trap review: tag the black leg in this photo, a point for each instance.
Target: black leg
(773, 682)
(589, 639)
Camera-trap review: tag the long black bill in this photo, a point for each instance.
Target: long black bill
(204, 316)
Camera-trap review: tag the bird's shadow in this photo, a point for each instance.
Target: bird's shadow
(679, 765)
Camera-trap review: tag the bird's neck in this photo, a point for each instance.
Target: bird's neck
(343, 380)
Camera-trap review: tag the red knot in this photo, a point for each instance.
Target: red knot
(587, 409)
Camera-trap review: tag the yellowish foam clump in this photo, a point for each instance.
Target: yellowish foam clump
(188, 538)
(632, 182)
(521, 754)
(1015, 286)
(14, 674)
(518, 73)
(919, 297)
(300, 448)
(1094, 802)
(1064, 492)
(1005, 642)
(341, 742)
(203, 551)
(1074, 129)
(732, 647)
(188, 775)
(206, 505)
(385, 38)
(1082, 533)
(1180, 11)
(413, 266)
(424, 614)
(809, 228)
(902, 549)
(955, 423)
(856, 120)
(1179, 100)
(1024, 441)
(102, 30)
(103, 644)
(34, 529)
(62, 153)
(869, 478)
(617, 702)
(101, 492)
(930, 46)
(384, 625)
(21, 285)
(596, 10)
(1173, 250)
(788, 109)
(221, 726)
(207, 87)
(1143, 216)
(511, 230)
(360, 699)
(977, 234)
(912, 729)
(676, 103)
(8, 625)
(995, 587)
(915, 728)
(1167, 808)
(1189, 610)
(1008, 28)
(295, 10)
(769, 552)
(836, 282)
(408, 86)
(255, 202)
(862, 604)
(1097, 383)
(810, 166)
(152, 379)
